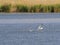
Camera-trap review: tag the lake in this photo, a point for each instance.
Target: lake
(29, 29)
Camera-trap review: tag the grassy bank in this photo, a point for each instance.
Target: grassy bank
(32, 9)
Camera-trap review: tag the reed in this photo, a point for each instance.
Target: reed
(0, 8)
(5, 8)
(47, 9)
(57, 8)
(35, 8)
(21, 8)
(32, 9)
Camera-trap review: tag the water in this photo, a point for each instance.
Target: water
(28, 15)
(28, 33)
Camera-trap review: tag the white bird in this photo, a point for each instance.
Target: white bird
(40, 28)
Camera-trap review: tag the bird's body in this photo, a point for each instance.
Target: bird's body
(40, 28)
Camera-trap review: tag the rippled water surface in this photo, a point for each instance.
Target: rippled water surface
(28, 33)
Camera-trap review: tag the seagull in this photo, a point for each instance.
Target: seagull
(40, 28)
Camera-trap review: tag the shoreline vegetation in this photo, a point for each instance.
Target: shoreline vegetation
(30, 9)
